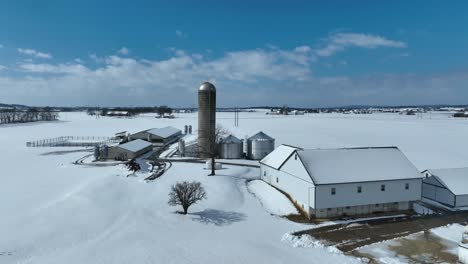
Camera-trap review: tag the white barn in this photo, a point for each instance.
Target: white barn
(448, 187)
(349, 181)
(163, 135)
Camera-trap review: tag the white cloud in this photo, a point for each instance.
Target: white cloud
(37, 54)
(1, 46)
(55, 69)
(181, 34)
(340, 41)
(124, 51)
(3, 67)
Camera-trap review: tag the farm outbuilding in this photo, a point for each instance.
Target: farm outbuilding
(129, 150)
(348, 181)
(448, 187)
(163, 135)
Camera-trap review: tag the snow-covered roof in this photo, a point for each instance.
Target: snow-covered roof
(328, 166)
(136, 145)
(231, 140)
(260, 136)
(277, 157)
(455, 179)
(164, 132)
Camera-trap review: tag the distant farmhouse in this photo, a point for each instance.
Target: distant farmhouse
(349, 181)
(448, 187)
(163, 135)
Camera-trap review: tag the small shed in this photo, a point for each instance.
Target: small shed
(129, 150)
(448, 187)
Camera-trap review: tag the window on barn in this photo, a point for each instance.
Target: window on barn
(295, 156)
(333, 191)
(264, 173)
(406, 186)
(277, 180)
(382, 187)
(359, 189)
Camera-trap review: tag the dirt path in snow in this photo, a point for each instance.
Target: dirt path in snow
(348, 237)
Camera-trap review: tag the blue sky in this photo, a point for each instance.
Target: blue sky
(300, 53)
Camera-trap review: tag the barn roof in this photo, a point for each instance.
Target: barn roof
(164, 132)
(277, 157)
(455, 179)
(330, 166)
(135, 145)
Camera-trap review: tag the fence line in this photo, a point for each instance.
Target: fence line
(72, 141)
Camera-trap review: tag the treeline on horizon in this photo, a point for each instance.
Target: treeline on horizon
(34, 114)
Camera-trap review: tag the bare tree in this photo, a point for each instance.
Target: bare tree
(212, 150)
(186, 194)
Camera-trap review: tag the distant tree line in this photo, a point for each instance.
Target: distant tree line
(130, 111)
(12, 115)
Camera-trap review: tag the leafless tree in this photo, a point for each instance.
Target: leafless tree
(186, 194)
(212, 150)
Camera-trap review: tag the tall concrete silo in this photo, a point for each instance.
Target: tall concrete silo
(206, 119)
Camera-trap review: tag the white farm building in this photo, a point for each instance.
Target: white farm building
(337, 182)
(448, 187)
(163, 135)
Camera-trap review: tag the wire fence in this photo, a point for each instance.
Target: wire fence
(72, 141)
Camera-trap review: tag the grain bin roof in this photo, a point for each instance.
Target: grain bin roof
(135, 145)
(277, 158)
(330, 166)
(164, 132)
(455, 179)
(260, 136)
(231, 140)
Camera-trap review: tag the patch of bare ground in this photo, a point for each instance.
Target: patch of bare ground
(348, 237)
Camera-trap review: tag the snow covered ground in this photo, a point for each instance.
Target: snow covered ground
(273, 201)
(55, 212)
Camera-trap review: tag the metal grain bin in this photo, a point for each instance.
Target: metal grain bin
(231, 148)
(259, 146)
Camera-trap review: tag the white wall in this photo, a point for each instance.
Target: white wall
(432, 190)
(462, 200)
(300, 189)
(347, 195)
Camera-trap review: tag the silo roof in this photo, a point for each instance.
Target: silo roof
(207, 86)
(261, 136)
(231, 140)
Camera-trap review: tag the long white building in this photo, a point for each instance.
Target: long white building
(349, 181)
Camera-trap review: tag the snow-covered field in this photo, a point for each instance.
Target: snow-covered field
(52, 211)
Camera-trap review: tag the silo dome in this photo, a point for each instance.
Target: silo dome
(260, 145)
(207, 86)
(231, 148)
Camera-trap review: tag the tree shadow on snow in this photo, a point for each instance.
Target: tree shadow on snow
(218, 217)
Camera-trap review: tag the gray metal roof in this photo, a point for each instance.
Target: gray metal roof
(207, 86)
(329, 166)
(231, 140)
(135, 145)
(456, 179)
(164, 132)
(260, 136)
